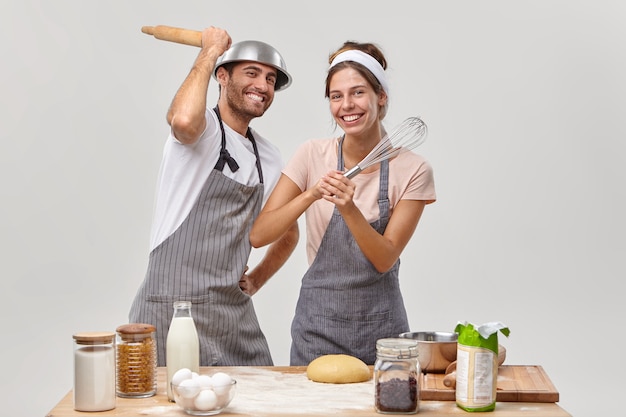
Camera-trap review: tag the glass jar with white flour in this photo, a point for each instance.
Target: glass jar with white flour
(94, 371)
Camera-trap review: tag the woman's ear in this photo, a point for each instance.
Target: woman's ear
(382, 98)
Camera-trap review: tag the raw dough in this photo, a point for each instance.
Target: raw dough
(338, 369)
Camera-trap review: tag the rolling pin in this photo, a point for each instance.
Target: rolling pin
(173, 34)
(449, 380)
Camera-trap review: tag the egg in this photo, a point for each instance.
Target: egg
(221, 383)
(221, 379)
(188, 388)
(180, 375)
(206, 400)
(204, 381)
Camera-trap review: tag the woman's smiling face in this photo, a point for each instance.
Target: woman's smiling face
(353, 102)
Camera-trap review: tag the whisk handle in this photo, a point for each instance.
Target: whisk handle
(352, 172)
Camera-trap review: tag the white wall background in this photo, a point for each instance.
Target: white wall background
(525, 104)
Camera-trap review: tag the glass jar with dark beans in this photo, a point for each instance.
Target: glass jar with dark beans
(396, 376)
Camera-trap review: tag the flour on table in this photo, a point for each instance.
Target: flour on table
(159, 410)
(296, 394)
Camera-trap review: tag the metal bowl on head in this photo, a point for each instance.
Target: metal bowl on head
(257, 51)
(436, 350)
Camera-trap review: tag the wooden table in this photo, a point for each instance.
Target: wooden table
(286, 391)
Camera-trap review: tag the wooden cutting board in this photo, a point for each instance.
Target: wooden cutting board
(516, 383)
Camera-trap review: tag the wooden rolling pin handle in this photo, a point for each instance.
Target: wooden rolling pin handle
(450, 380)
(172, 34)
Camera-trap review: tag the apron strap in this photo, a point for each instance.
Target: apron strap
(256, 153)
(226, 158)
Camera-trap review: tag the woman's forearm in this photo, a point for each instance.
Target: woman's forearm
(384, 250)
(273, 223)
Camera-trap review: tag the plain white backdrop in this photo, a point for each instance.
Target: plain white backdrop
(524, 102)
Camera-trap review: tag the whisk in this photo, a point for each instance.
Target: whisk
(408, 135)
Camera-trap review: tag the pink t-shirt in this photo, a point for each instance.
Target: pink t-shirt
(410, 178)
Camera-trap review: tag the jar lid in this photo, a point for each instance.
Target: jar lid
(136, 328)
(135, 332)
(400, 348)
(93, 338)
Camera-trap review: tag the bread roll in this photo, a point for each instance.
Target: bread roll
(338, 369)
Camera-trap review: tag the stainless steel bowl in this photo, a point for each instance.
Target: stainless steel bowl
(436, 350)
(259, 52)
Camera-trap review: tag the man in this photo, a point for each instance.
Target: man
(215, 175)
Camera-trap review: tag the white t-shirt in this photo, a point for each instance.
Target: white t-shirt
(410, 178)
(185, 168)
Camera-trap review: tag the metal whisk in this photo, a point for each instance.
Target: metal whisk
(407, 135)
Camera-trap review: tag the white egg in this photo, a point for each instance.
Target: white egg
(206, 400)
(188, 388)
(221, 379)
(180, 375)
(222, 384)
(195, 375)
(204, 381)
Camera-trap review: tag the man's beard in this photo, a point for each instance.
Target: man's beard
(239, 105)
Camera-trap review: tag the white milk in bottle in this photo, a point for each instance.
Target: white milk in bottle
(182, 348)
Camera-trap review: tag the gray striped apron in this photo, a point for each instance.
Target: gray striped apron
(345, 304)
(202, 262)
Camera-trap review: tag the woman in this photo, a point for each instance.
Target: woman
(356, 228)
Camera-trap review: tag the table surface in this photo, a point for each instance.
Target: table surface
(286, 391)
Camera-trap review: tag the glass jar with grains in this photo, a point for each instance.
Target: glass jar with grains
(136, 360)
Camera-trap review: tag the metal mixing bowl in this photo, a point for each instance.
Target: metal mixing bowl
(436, 350)
(259, 52)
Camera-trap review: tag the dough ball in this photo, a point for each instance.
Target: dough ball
(338, 369)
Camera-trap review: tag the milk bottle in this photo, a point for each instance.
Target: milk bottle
(182, 348)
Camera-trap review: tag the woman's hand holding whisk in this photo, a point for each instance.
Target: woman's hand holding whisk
(338, 189)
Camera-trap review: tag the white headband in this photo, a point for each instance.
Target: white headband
(367, 61)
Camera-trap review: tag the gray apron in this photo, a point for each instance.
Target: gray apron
(202, 262)
(345, 304)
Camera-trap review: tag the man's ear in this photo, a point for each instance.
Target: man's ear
(222, 76)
